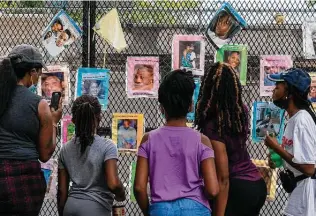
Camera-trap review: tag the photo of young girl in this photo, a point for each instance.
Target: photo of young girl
(142, 77)
(236, 57)
(188, 51)
(224, 25)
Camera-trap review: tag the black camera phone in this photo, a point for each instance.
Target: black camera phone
(55, 100)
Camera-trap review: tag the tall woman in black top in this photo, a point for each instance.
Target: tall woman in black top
(27, 133)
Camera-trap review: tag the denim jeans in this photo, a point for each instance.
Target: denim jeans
(179, 207)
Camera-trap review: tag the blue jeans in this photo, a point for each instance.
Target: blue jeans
(179, 207)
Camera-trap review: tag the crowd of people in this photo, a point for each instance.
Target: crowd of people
(201, 171)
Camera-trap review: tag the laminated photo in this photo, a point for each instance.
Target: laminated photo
(266, 117)
(61, 32)
(272, 64)
(309, 39)
(312, 93)
(188, 52)
(94, 82)
(197, 83)
(132, 172)
(142, 77)
(49, 170)
(270, 177)
(67, 128)
(56, 79)
(236, 57)
(224, 25)
(127, 130)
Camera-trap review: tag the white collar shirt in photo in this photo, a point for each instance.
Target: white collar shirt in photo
(300, 140)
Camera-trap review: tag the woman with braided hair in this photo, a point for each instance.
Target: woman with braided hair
(222, 117)
(90, 162)
(175, 157)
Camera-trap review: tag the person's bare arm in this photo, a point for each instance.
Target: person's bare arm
(209, 172)
(113, 181)
(62, 193)
(47, 136)
(222, 170)
(141, 180)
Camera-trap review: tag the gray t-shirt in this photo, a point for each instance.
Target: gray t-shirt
(87, 171)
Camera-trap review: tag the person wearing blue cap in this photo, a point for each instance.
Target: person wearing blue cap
(27, 133)
(298, 149)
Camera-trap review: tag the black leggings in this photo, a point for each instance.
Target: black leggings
(245, 198)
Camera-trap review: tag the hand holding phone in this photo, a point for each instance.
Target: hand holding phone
(55, 100)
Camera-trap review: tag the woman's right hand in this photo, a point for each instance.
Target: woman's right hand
(57, 114)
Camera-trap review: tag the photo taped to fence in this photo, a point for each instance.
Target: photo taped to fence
(309, 38)
(56, 79)
(188, 52)
(67, 128)
(142, 77)
(312, 93)
(61, 32)
(127, 130)
(224, 25)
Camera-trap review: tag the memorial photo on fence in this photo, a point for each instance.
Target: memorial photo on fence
(312, 93)
(67, 128)
(236, 57)
(49, 170)
(272, 64)
(94, 82)
(309, 38)
(56, 79)
(60, 33)
(224, 25)
(142, 77)
(188, 51)
(197, 83)
(127, 130)
(267, 118)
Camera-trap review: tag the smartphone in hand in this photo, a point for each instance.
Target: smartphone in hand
(55, 100)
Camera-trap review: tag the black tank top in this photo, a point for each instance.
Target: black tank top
(19, 126)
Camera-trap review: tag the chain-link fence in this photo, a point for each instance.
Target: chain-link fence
(149, 27)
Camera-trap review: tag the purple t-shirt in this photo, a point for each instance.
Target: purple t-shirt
(239, 162)
(174, 155)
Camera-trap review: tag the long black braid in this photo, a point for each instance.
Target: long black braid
(175, 93)
(220, 99)
(86, 115)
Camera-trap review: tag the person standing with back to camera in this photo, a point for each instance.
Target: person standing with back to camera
(90, 162)
(222, 116)
(298, 148)
(178, 160)
(27, 133)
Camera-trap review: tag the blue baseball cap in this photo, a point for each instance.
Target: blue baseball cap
(295, 77)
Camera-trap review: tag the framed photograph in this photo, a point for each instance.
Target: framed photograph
(142, 77)
(56, 79)
(270, 177)
(309, 39)
(94, 82)
(127, 130)
(49, 170)
(67, 128)
(266, 117)
(224, 25)
(312, 93)
(272, 64)
(188, 51)
(236, 57)
(132, 172)
(191, 115)
(60, 33)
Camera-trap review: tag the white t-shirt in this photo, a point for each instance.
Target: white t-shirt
(300, 140)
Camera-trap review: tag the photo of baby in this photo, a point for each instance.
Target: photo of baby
(142, 77)
(224, 25)
(272, 64)
(54, 80)
(127, 130)
(61, 32)
(188, 51)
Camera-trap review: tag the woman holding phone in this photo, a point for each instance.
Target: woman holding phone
(27, 133)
